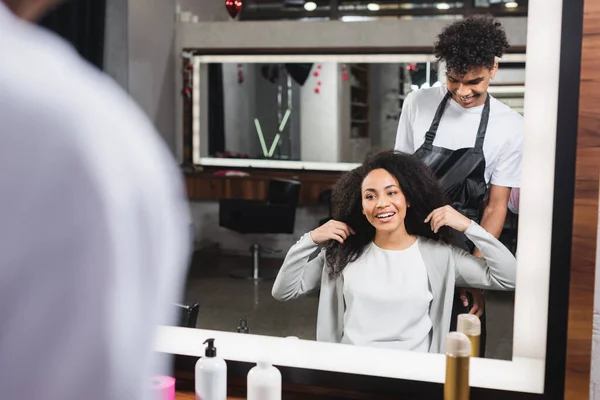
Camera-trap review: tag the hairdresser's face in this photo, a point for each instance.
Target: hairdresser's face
(383, 202)
(470, 89)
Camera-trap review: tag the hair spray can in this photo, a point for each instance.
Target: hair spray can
(470, 325)
(458, 355)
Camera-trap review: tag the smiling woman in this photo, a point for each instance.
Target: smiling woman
(382, 257)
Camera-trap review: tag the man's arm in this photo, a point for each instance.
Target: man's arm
(493, 222)
(494, 213)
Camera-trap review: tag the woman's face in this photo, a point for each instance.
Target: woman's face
(383, 202)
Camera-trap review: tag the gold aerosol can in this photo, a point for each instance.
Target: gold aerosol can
(470, 325)
(458, 355)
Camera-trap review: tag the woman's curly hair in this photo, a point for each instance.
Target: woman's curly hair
(419, 186)
(473, 42)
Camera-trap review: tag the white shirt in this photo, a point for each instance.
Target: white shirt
(387, 300)
(94, 231)
(458, 129)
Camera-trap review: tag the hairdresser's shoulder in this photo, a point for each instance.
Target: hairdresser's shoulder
(427, 96)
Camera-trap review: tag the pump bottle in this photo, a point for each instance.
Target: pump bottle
(211, 375)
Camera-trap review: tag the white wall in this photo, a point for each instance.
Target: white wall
(206, 10)
(151, 36)
(384, 103)
(240, 102)
(139, 51)
(319, 120)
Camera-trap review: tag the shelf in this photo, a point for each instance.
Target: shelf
(358, 104)
(360, 121)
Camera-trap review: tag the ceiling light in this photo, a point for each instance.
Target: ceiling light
(442, 6)
(373, 7)
(310, 6)
(511, 4)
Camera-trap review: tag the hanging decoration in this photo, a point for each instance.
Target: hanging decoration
(316, 75)
(344, 72)
(233, 7)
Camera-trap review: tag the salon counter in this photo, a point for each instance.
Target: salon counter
(206, 186)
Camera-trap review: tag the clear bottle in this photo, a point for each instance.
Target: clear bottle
(264, 382)
(211, 375)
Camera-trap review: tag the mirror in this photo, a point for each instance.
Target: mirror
(269, 108)
(319, 112)
(222, 309)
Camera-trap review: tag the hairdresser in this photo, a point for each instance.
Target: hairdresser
(470, 140)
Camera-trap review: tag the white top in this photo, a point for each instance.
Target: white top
(458, 129)
(94, 227)
(387, 300)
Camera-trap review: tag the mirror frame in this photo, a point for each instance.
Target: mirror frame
(549, 110)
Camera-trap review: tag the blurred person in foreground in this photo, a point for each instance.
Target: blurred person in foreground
(94, 224)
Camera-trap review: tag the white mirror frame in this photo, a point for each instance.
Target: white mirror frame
(526, 371)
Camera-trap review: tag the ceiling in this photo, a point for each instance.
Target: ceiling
(343, 9)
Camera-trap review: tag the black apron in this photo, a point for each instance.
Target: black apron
(461, 175)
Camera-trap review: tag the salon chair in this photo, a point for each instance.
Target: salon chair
(275, 214)
(187, 314)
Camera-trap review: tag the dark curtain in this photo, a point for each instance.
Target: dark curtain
(81, 23)
(216, 110)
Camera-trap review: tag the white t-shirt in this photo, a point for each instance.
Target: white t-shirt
(458, 129)
(94, 227)
(387, 300)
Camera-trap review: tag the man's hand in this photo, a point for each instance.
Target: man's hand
(478, 303)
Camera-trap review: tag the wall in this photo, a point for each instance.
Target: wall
(116, 49)
(385, 86)
(582, 364)
(206, 10)
(240, 107)
(320, 121)
(152, 62)
(139, 53)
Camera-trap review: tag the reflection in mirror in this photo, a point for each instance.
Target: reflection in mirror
(322, 111)
(329, 111)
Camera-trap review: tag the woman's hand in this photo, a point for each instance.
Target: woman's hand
(447, 216)
(332, 229)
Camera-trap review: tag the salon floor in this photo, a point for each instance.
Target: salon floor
(224, 300)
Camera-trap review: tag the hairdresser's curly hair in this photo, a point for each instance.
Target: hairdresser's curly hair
(473, 42)
(419, 186)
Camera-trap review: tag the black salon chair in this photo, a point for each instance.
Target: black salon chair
(187, 315)
(275, 214)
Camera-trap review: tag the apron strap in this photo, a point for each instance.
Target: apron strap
(483, 123)
(430, 135)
